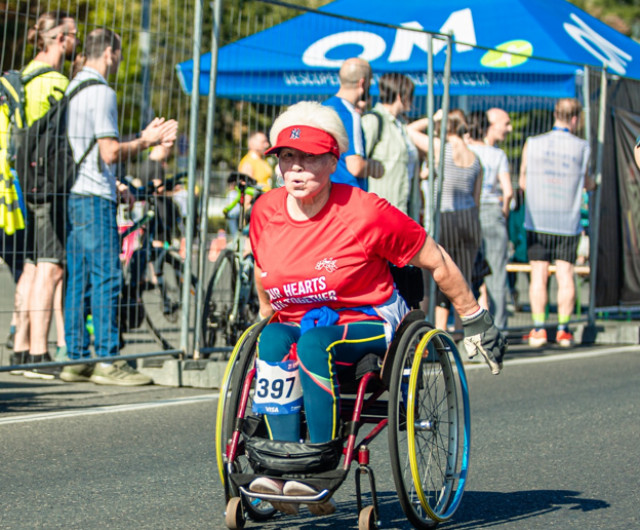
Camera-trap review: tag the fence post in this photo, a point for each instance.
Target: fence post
(437, 183)
(204, 220)
(193, 144)
(595, 212)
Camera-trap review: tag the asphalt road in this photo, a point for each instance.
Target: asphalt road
(554, 445)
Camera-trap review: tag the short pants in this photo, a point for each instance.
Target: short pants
(551, 247)
(45, 232)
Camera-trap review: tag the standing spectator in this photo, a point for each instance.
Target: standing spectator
(39, 287)
(355, 80)
(459, 221)
(93, 246)
(388, 141)
(553, 174)
(254, 164)
(487, 129)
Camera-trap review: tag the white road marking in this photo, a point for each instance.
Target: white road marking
(109, 409)
(569, 356)
(572, 356)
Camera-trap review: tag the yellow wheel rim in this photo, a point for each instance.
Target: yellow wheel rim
(226, 381)
(411, 412)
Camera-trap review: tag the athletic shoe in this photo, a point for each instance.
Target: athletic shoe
(273, 487)
(10, 337)
(537, 338)
(564, 339)
(77, 373)
(47, 373)
(267, 485)
(61, 354)
(19, 357)
(119, 374)
(295, 488)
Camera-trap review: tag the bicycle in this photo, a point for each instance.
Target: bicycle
(153, 274)
(231, 301)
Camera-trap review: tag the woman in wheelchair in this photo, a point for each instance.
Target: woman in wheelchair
(322, 254)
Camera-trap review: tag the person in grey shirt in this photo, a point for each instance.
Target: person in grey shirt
(93, 247)
(553, 174)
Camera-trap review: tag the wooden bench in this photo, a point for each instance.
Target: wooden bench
(580, 270)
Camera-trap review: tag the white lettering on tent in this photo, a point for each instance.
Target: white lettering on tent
(610, 55)
(459, 23)
(373, 46)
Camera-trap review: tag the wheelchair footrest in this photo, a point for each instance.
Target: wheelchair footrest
(327, 480)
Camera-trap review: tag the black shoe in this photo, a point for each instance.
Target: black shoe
(47, 373)
(19, 357)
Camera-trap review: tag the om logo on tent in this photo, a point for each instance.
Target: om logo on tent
(508, 54)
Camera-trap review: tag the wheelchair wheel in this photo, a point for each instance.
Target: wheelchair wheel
(429, 425)
(218, 302)
(240, 362)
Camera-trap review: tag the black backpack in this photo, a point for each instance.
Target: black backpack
(379, 133)
(12, 85)
(43, 155)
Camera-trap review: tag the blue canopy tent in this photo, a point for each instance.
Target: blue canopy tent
(492, 55)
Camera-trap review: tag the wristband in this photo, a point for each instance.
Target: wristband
(473, 315)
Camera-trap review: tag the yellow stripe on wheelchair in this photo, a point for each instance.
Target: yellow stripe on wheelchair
(226, 381)
(413, 462)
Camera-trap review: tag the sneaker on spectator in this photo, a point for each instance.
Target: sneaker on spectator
(47, 373)
(10, 337)
(564, 338)
(537, 338)
(19, 357)
(61, 354)
(120, 374)
(77, 373)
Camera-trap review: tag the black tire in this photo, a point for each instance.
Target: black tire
(429, 425)
(162, 300)
(218, 303)
(240, 363)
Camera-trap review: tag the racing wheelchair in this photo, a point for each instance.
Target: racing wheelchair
(418, 390)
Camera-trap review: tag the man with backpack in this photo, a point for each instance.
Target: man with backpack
(54, 36)
(387, 141)
(93, 246)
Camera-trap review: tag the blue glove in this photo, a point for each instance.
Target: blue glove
(481, 336)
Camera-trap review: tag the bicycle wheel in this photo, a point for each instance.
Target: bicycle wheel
(249, 304)
(162, 299)
(240, 362)
(429, 425)
(218, 302)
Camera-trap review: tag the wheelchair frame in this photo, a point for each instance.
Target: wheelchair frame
(427, 411)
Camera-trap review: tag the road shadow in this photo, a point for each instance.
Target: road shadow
(479, 509)
(484, 509)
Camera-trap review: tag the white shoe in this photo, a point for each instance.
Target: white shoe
(267, 485)
(273, 487)
(295, 488)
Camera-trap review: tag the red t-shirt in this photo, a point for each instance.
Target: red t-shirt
(339, 258)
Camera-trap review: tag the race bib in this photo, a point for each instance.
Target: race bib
(278, 389)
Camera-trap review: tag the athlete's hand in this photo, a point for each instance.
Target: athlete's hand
(482, 336)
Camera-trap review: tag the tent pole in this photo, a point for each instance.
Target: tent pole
(211, 112)
(438, 182)
(430, 165)
(193, 153)
(594, 223)
(586, 97)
